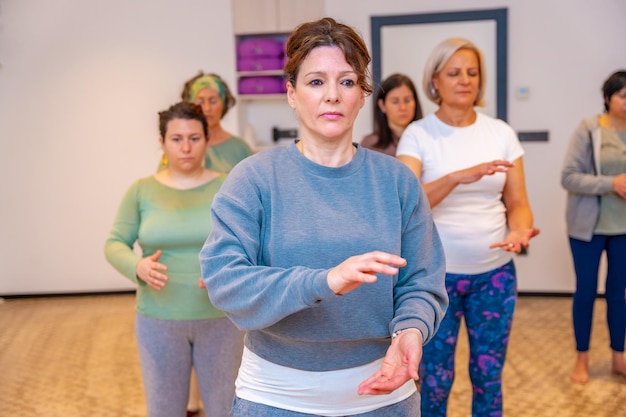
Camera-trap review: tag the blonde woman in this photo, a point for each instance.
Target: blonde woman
(471, 168)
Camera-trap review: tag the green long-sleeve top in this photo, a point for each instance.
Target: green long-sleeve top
(177, 222)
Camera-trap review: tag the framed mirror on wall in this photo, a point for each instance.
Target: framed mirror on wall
(403, 43)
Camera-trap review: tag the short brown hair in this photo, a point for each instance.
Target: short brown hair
(328, 32)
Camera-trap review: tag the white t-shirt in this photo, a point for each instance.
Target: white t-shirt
(472, 216)
(329, 393)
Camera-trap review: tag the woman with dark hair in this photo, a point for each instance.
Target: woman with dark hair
(176, 325)
(336, 300)
(395, 107)
(594, 175)
(224, 151)
(212, 94)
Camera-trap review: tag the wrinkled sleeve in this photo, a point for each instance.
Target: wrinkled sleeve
(577, 175)
(420, 296)
(118, 248)
(254, 296)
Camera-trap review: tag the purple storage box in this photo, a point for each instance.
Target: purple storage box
(268, 47)
(261, 85)
(259, 64)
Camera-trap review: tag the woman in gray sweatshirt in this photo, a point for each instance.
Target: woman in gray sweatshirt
(326, 253)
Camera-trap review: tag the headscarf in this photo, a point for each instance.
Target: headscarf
(207, 81)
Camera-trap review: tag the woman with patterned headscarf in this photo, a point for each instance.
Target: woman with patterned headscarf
(223, 152)
(210, 92)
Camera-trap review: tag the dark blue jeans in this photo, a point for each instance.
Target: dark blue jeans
(586, 264)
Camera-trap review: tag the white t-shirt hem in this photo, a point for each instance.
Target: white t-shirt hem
(330, 393)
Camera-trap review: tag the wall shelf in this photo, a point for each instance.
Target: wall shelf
(261, 29)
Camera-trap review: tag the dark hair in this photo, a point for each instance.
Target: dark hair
(612, 85)
(228, 100)
(182, 110)
(381, 124)
(328, 32)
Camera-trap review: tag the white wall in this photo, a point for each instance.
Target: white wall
(563, 51)
(81, 83)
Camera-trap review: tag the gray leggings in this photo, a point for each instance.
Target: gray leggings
(167, 351)
(406, 408)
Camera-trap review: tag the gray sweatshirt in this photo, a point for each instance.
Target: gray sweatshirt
(281, 222)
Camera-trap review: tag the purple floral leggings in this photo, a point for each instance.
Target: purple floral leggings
(487, 302)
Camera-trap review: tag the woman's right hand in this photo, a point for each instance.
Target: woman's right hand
(475, 173)
(148, 270)
(356, 270)
(619, 185)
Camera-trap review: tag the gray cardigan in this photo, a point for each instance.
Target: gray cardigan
(582, 180)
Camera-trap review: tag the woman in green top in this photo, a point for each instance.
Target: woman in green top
(225, 150)
(177, 327)
(211, 93)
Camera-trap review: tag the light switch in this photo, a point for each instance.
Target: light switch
(522, 93)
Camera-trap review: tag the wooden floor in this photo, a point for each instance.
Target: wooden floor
(76, 357)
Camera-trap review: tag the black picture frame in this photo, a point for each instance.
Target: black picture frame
(499, 16)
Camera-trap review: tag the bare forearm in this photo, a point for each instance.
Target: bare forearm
(520, 217)
(440, 188)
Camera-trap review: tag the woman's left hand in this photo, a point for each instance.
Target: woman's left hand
(400, 365)
(359, 269)
(516, 240)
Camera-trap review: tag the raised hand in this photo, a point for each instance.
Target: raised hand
(516, 240)
(360, 269)
(475, 173)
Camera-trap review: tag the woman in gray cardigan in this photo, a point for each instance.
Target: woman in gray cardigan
(594, 175)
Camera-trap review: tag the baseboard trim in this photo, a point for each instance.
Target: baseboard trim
(98, 293)
(544, 294)
(69, 294)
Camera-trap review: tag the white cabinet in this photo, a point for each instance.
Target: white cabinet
(261, 107)
(272, 16)
(293, 12)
